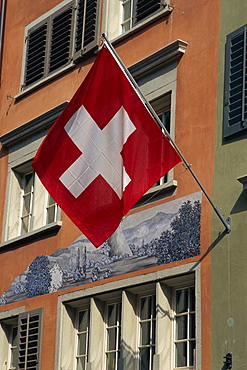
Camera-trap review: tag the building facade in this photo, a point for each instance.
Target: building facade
(228, 255)
(142, 300)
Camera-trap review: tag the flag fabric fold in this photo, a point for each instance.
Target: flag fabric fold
(103, 152)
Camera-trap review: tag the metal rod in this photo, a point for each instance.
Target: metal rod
(226, 222)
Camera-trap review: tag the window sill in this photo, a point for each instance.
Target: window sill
(32, 235)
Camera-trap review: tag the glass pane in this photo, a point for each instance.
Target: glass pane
(192, 324)
(181, 354)
(145, 333)
(181, 327)
(112, 339)
(144, 358)
(82, 343)
(192, 299)
(14, 336)
(192, 346)
(83, 320)
(50, 201)
(111, 361)
(14, 357)
(24, 225)
(50, 215)
(181, 300)
(126, 10)
(26, 204)
(126, 26)
(81, 363)
(112, 314)
(146, 306)
(28, 183)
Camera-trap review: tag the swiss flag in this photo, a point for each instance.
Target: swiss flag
(104, 151)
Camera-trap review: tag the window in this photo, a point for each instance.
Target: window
(122, 16)
(113, 330)
(13, 347)
(147, 323)
(82, 321)
(34, 207)
(28, 207)
(162, 107)
(133, 326)
(235, 105)
(58, 38)
(185, 328)
(20, 338)
(135, 11)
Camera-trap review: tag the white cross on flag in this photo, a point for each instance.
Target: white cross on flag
(104, 151)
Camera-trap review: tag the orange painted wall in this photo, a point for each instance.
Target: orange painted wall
(195, 22)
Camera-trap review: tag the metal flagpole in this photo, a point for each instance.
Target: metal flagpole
(226, 222)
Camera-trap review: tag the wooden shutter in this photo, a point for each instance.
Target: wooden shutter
(145, 8)
(36, 53)
(235, 106)
(86, 34)
(61, 34)
(29, 335)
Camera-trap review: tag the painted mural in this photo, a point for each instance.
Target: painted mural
(159, 235)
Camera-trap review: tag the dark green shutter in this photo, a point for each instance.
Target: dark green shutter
(86, 34)
(61, 40)
(36, 52)
(145, 8)
(235, 104)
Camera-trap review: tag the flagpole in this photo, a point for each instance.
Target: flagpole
(226, 222)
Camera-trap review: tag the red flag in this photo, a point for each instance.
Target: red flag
(104, 151)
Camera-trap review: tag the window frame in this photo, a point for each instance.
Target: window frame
(87, 332)
(76, 49)
(239, 125)
(117, 326)
(152, 320)
(22, 144)
(10, 319)
(128, 291)
(188, 339)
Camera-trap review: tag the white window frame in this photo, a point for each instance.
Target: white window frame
(78, 333)
(117, 326)
(188, 339)
(113, 18)
(128, 291)
(22, 144)
(152, 321)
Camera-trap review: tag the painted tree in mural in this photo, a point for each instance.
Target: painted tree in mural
(183, 240)
(38, 277)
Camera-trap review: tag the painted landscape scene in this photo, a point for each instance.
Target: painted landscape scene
(159, 235)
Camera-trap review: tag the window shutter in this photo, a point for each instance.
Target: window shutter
(29, 327)
(145, 8)
(86, 36)
(61, 40)
(235, 106)
(36, 48)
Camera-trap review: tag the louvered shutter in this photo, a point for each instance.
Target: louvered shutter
(36, 54)
(235, 109)
(86, 33)
(61, 39)
(145, 8)
(29, 335)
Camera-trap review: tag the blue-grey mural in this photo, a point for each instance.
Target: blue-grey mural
(159, 235)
